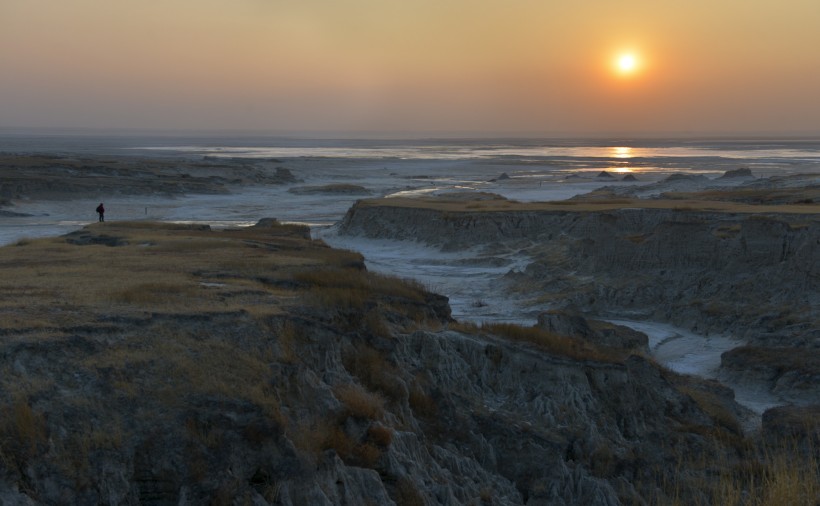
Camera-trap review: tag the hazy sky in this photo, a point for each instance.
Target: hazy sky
(503, 66)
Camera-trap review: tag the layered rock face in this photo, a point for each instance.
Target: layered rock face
(753, 274)
(259, 367)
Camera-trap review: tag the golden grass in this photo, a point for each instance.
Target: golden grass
(374, 371)
(714, 407)
(162, 268)
(22, 433)
(380, 435)
(316, 436)
(360, 403)
(194, 365)
(422, 404)
(49, 285)
(288, 338)
(407, 493)
(767, 476)
(363, 283)
(548, 341)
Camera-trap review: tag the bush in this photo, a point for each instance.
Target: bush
(359, 402)
(549, 341)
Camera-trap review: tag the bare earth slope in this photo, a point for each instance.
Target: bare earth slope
(158, 364)
(707, 264)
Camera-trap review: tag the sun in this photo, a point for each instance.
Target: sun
(627, 64)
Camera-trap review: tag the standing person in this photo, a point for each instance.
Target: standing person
(101, 211)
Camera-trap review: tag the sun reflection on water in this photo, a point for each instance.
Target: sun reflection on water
(621, 152)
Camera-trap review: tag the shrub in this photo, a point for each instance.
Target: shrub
(712, 406)
(28, 427)
(374, 370)
(380, 435)
(366, 454)
(21, 434)
(549, 341)
(287, 338)
(421, 403)
(407, 493)
(359, 402)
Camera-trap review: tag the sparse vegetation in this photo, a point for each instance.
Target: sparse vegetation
(360, 403)
(554, 343)
(714, 407)
(683, 202)
(373, 369)
(191, 356)
(765, 476)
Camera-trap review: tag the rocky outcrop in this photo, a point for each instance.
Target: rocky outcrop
(753, 275)
(792, 372)
(743, 172)
(798, 426)
(301, 379)
(609, 335)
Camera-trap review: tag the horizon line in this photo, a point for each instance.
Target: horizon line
(394, 134)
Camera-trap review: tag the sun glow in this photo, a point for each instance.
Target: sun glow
(621, 152)
(627, 64)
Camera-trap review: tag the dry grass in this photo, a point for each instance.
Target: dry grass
(178, 317)
(422, 404)
(363, 283)
(319, 435)
(22, 433)
(49, 285)
(360, 403)
(548, 341)
(373, 369)
(195, 365)
(28, 426)
(407, 493)
(288, 338)
(714, 407)
(767, 196)
(380, 435)
(161, 268)
(784, 475)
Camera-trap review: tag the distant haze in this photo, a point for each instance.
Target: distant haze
(513, 66)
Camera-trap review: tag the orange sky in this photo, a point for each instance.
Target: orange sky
(506, 67)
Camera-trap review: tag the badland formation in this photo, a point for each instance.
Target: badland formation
(151, 363)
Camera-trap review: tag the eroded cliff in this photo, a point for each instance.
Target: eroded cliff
(709, 266)
(152, 364)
